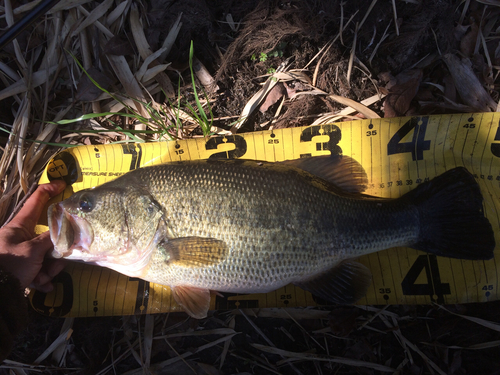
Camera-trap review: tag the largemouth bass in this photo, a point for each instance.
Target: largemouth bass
(253, 227)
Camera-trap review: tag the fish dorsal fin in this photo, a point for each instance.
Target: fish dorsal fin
(194, 251)
(342, 171)
(345, 283)
(195, 301)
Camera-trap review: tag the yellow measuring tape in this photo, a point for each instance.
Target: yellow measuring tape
(397, 154)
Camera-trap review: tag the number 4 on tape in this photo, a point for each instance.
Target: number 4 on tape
(417, 145)
(434, 288)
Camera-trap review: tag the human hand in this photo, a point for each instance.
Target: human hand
(22, 253)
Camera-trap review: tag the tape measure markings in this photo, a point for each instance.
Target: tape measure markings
(456, 278)
(486, 279)
(86, 278)
(489, 281)
(94, 283)
(101, 293)
(480, 277)
(105, 299)
(375, 266)
(465, 146)
(387, 290)
(396, 162)
(471, 280)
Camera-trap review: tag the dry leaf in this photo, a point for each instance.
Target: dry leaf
(400, 95)
(469, 40)
(484, 71)
(87, 91)
(450, 91)
(468, 86)
(459, 31)
(387, 79)
(119, 47)
(276, 93)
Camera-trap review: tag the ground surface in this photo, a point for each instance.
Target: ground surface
(409, 52)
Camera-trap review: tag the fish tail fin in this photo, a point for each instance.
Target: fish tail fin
(452, 221)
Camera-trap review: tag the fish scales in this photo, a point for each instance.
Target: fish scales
(277, 224)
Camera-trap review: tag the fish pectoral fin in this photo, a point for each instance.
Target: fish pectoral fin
(342, 171)
(195, 301)
(345, 283)
(194, 251)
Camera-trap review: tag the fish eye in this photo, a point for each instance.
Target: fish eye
(86, 204)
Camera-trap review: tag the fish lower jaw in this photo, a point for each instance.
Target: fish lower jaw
(79, 250)
(78, 253)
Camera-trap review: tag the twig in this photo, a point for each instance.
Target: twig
(395, 16)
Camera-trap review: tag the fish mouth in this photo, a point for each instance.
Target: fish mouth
(70, 234)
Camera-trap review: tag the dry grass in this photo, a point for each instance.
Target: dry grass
(366, 340)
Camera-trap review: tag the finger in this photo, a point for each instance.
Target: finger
(32, 209)
(44, 288)
(48, 272)
(41, 279)
(54, 267)
(40, 245)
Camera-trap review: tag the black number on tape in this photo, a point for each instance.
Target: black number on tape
(434, 288)
(56, 307)
(332, 131)
(64, 166)
(418, 144)
(130, 149)
(495, 147)
(237, 140)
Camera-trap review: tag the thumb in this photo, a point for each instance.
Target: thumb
(39, 246)
(32, 209)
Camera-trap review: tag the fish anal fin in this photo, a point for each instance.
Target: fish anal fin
(195, 301)
(194, 251)
(342, 171)
(346, 283)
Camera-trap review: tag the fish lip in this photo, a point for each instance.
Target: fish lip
(70, 234)
(55, 215)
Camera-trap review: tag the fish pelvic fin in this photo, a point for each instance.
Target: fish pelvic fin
(346, 283)
(452, 221)
(194, 251)
(195, 301)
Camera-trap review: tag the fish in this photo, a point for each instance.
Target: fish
(243, 226)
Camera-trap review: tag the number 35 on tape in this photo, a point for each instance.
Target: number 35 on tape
(398, 154)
